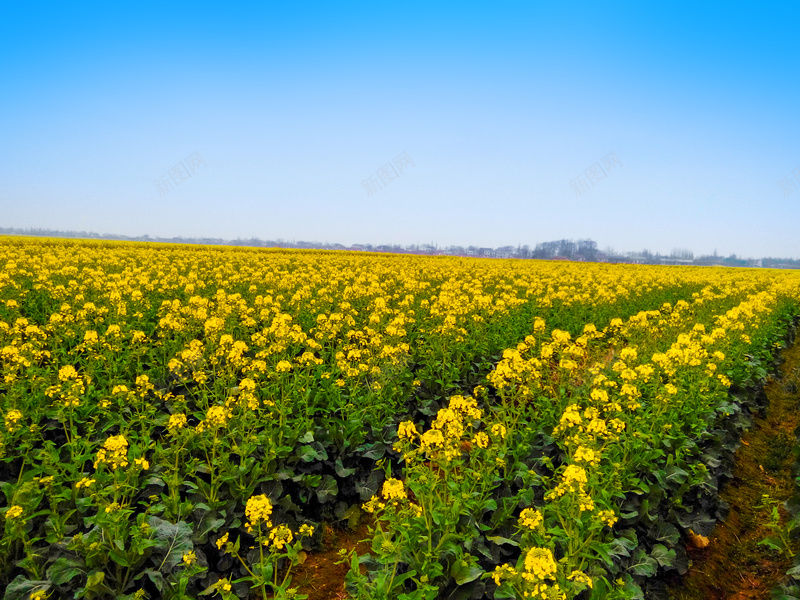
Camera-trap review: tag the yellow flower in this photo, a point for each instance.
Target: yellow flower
(222, 541)
(283, 366)
(373, 504)
(280, 536)
(531, 518)
(587, 455)
(14, 512)
(307, 530)
(176, 421)
(67, 373)
(568, 364)
(481, 439)
(189, 558)
(499, 430)
(406, 429)
(539, 562)
(258, 509)
(114, 452)
(142, 462)
(574, 473)
(503, 572)
(13, 417)
(85, 482)
(393, 489)
(216, 416)
(607, 517)
(581, 577)
(432, 438)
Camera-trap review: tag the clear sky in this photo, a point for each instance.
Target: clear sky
(301, 121)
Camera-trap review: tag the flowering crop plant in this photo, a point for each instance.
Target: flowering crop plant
(177, 421)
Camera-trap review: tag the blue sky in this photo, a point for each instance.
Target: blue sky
(506, 110)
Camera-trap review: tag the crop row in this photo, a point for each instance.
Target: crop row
(588, 468)
(177, 419)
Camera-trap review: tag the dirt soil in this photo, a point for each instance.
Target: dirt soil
(319, 577)
(734, 566)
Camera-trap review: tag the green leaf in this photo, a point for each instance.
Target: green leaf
(157, 578)
(208, 524)
(642, 564)
(95, 586)
(174, 540)
(65, 569)
(369, 488)
(121, 558)
(307, 438)
(376, 452)
(311, 480)
(341, 470)
(307, 453)
(676, 475)
(794, 572)
(500, 540)
(664, 557)
(21, 588)
(464, 572)
(505, 591)
(328, 489)
(665, 532)
(628, 538)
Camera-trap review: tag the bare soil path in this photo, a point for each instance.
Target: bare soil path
(734, 566)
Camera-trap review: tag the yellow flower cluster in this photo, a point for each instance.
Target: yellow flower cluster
(114, 452)
(71, 387)
(581, 577)
(444, 438)
(258, 510)
(176, 421)
(539, 565)
(531, 518)
(407, 430)
(573, 481)
(216, 417)
(393, 490)
(14, 512)
(280, 536)
(587, 456)
(481, 440)
(13, 417)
